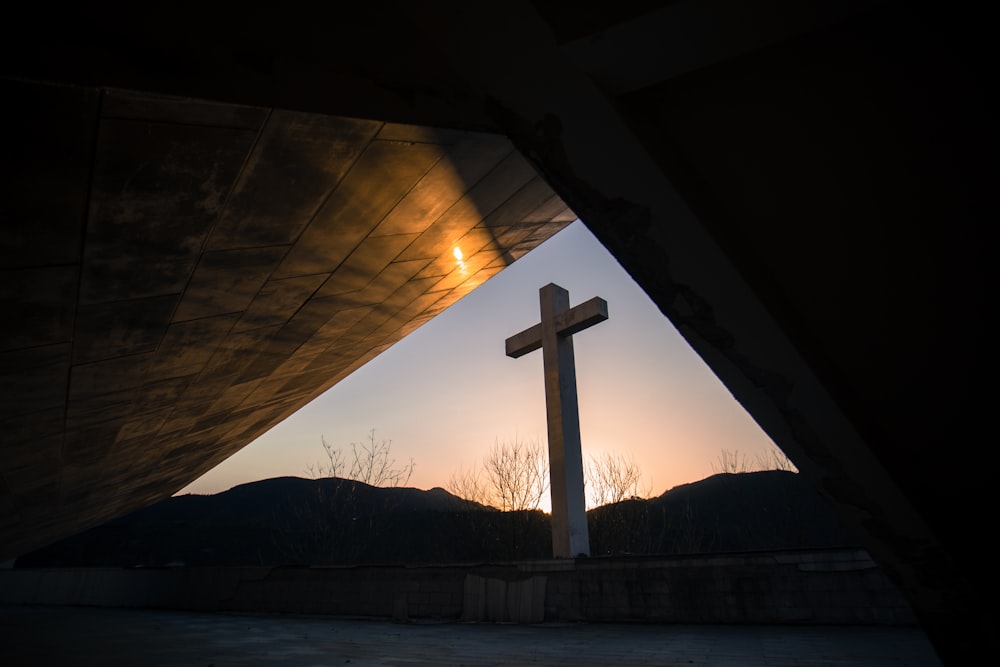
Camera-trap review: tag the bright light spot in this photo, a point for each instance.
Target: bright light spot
(458, 253)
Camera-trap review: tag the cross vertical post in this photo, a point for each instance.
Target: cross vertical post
(570, 537)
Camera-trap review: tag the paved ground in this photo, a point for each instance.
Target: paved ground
(64, 636)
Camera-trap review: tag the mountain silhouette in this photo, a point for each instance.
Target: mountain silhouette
(296, 521)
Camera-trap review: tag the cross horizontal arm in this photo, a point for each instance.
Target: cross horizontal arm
(580, 317)
(527, 341)
(567, 323)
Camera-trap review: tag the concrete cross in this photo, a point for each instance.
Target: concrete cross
(553, 334)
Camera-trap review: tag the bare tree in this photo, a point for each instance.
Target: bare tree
(515, 475)
(372, 464)
(732, 462)
(775, 459)
(619, 517)
(468, 485)
(343, 521)
(614, 477)
(513, 478)
(333, 466)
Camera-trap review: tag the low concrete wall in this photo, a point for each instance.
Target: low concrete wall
(801, 587)
(818, 587)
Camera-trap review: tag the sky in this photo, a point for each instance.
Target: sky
(446, 393)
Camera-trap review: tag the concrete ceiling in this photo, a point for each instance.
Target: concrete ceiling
(182, 275)
(799, 186)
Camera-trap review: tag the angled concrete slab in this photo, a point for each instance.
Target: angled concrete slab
(235, 262)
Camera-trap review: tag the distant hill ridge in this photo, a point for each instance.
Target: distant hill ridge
(289, 520)
(261, 502)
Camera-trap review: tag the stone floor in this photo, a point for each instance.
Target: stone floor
(79, 636)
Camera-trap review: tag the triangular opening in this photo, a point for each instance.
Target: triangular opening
(446, 395)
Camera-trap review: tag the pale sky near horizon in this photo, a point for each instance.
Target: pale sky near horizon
(444, 394)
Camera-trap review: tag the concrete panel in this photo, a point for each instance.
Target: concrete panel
(32, 426)
(234, 356)
(125, 277)
(278, 300)
(40, 300)
(227, 281)
(498, 186)
(471, 160)
(365, 264)
(378, 180)
(111, 376)
(297, 161)
(117, 328)
(158, 187)
(33, 381)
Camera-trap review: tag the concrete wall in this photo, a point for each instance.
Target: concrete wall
(803, 587)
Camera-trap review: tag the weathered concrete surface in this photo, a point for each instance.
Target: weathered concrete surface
(205, 269)
(800, 187)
